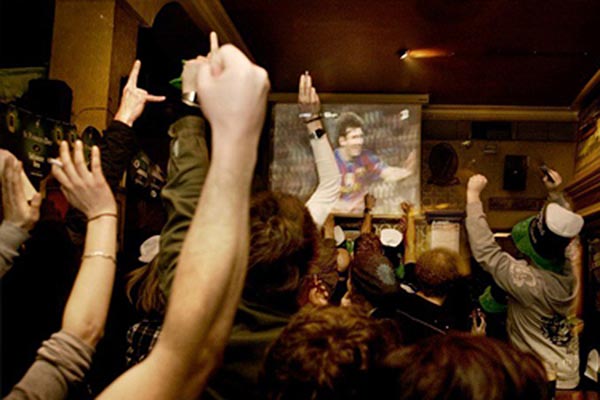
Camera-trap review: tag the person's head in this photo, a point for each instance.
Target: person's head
(436, 271)
(543, 238)
(283, 240)
(461, 366)
(372, 281)
(351, 137)
(367, 243)
(325, 353)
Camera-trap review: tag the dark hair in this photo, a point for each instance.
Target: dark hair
(461, 366)
(283, 240)
(367, 243)
(436, 270)
(348, 120)
(325, 353)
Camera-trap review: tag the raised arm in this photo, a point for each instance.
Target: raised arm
(20, 215)
(119, 143)
(322, 200)
(410, 240)
(367, 223)
(88, 191)
(65, 358)
(209, 277)
(392, 174)
(552, 180)
(509, 273)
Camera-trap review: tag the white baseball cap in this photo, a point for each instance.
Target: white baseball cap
(391, 237)
(149, 249)
(339, 235)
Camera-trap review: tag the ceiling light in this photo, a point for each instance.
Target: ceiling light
(402, 53)
(429, 53)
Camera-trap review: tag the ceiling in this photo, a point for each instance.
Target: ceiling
(505, 52)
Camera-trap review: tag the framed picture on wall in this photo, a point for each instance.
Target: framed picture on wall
(377, 150)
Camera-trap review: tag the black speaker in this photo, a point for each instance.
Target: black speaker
(515, 173)
(50, 98)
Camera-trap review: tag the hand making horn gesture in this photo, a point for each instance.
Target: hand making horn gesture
(134, 99)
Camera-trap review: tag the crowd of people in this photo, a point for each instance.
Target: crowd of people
(250, 295)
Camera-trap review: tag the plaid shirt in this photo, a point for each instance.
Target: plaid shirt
(141, 338)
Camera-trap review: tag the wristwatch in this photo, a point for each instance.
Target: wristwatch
(317, 133)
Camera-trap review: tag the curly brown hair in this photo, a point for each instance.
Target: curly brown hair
(436, 271)
(325, 353)
(462, 366)
(142, 289)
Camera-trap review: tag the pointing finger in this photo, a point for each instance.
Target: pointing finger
(133, 75)
(154, 99)
(214, 42)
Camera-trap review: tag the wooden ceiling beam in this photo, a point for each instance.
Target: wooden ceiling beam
(208, 15)
(498, 113)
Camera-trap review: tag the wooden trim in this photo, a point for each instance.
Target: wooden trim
(592, 83)
(499, 113)
(584, 190)
(215, 16)
(369, 98)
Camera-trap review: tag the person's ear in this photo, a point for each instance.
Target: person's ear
(342, 140)
(318, 297)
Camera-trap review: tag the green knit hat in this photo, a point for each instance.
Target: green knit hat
(490, 304)
(544, 237)
(520, 235)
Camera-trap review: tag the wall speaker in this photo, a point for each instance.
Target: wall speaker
(50, 98)
(515, 173)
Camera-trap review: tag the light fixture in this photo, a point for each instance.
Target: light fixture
(429, 53)
(402, 53)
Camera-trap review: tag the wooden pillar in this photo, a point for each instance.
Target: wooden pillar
(93, 46)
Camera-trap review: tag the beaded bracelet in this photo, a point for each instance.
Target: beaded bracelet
(100, 254)
(106, 214)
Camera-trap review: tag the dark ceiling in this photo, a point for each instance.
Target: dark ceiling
(506, 52)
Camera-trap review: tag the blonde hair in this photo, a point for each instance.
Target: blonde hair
(142, 289)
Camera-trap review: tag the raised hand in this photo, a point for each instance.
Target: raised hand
(308, 99)
(556, 179)
(475, 186)
(478, 323)
(134, 99)
(17, 210)
(233, 94)
(85, 189)
(370, 201)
